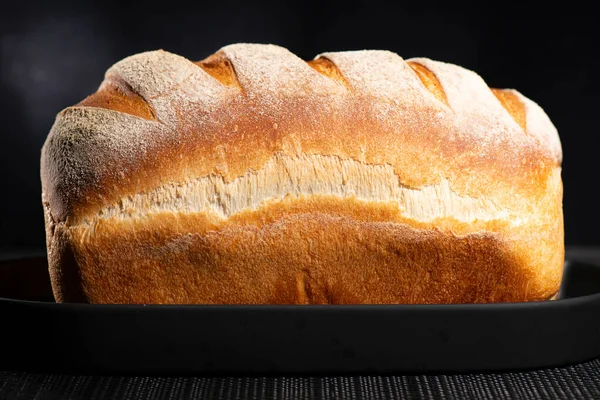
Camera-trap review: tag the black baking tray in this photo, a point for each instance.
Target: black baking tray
(38, 334)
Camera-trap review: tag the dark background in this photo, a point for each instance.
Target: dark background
(53, 54)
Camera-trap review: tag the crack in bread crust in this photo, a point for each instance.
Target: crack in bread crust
(307, 175)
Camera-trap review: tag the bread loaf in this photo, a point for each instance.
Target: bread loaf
(254, 177)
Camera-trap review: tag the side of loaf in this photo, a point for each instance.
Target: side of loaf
(254, 177)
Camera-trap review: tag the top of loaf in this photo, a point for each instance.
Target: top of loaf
(158, 119)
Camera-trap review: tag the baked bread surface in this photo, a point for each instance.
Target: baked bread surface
(254, 177)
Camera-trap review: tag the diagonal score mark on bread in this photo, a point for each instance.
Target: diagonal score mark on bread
(116, 94)
(515, 107)
(220, 68)
(326, 67)
(429, 81)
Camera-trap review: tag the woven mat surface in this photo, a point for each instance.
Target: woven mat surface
(581, 381)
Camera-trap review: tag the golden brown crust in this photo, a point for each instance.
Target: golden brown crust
(321, 250)
(161, 125)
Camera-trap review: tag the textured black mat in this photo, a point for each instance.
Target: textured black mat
(580, 381)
